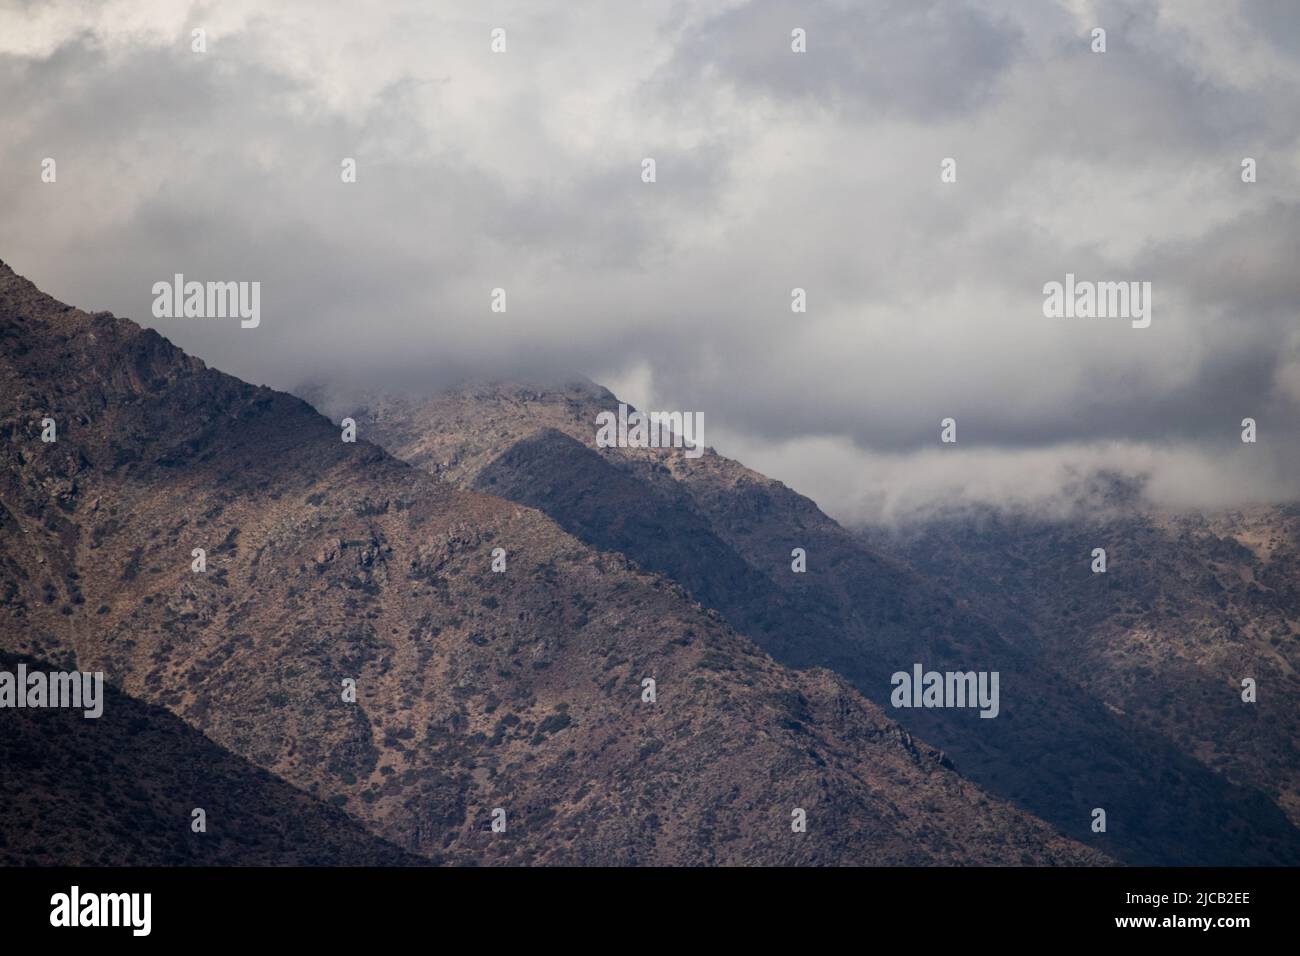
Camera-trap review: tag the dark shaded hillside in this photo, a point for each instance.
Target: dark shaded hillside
(1189, 605)
(726, 533)
(606, 507)
(476, 690)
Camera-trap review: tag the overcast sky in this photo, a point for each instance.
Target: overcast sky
(775, 170)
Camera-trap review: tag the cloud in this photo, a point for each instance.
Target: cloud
(952, 55)
(775, 170)
(872, 488)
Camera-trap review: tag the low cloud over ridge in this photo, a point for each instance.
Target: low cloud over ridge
(775, 170)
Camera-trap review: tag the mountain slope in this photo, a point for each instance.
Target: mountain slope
(120, 790)
(475, 690)
(1189, 606)
(726, 533)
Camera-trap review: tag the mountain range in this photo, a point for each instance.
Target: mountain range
(1200, 786)
(517, 697)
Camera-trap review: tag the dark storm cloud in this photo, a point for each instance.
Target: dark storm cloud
(918, 58)
(1277, 21)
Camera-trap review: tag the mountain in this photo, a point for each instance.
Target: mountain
(329, 562)
(1189, 605)
(726, 533)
